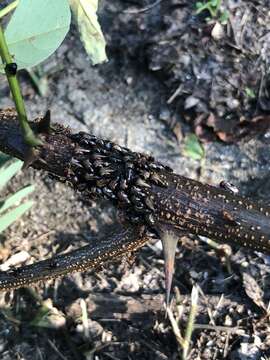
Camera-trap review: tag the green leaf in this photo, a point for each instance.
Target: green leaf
(16, 198)
(215, 3)
(13, 215)
(193, 147)
(90, 31)
(8, 171)
(224, 17)
(250, 93)
(199, 5)
(36, 30)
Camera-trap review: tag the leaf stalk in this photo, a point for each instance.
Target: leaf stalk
(29, 137)
(8, 8)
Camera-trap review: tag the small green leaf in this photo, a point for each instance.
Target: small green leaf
(250, 93)
(16, 198)
(13, 215)
(215, 3)
(36, 30)
(193, 148)
(8, 171)
(199, 5)
(91, 35)
(224, 17)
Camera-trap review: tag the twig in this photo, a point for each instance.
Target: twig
(84, 318)
(227, 329)
(150, 346)
(226, 346)
(145, 9)
(61, 356)
(175, 94)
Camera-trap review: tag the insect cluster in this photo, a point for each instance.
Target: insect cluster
(103, 169)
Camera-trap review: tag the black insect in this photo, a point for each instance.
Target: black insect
(123, 197)
(11, 69)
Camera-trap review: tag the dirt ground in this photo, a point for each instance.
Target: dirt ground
(170, 73)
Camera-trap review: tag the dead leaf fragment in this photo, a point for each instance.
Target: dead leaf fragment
(85, 13)
(253, 290)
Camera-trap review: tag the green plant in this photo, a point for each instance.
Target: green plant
(214, 9)
(250, 93)
(38, 27)
(193, 147)
(10, 207)
(34, 32)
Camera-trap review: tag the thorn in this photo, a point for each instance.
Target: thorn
(44, 124)
(169, 242)
(29, 158)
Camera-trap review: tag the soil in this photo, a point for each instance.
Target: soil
(217, 86)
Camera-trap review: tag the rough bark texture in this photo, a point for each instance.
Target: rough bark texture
(147, 192)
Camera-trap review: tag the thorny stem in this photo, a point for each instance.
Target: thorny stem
(29, 137)
(8, 8)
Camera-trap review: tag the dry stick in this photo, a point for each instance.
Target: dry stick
(232, 330)
(84, 318)
(145, 9)
(153, 195)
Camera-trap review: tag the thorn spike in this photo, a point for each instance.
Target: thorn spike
(45, 123)
(29, 157)
(169, 242)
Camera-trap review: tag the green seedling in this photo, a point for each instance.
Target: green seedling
(250, 93)
(214, 9)
(34, 32)
(193, 148)
(11, 207)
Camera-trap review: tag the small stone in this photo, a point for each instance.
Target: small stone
(217, 32)
(165, 114)
(129, 80)
(233, 103)
(228, 321)
(190, 102)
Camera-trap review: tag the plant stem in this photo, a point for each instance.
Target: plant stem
(28, 134)
(190, 324)
(9, 8)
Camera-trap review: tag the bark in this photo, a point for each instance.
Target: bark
(148, 193)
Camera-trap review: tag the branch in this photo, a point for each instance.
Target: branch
(113, 246)
(147, 192)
